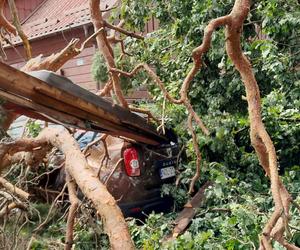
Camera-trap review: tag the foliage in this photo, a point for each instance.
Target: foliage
(99, 68)
(34, 128)
(271, 41)
(231, 218)
(100, 71)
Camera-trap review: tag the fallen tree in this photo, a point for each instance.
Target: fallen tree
(277, 225)
(76, 165)
(90, 184)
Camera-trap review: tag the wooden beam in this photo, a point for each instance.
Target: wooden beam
(67, 100)
(43, 113)
(69, 120)
(187, 214)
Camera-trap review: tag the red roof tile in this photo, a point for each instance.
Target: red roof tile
(58, 15)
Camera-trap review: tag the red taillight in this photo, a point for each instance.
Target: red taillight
(131, 160)
(136, 209)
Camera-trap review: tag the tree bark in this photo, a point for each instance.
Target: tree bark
(72, 211)
(106, 49)
(3, 21)
(14, 190)
(55, 61)
(17, 24)
(260, 139)
(9, 118)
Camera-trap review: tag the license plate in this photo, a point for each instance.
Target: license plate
(167, 172)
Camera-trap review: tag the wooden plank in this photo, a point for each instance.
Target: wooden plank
(136, 133)
(13, 80)
(187, 214)
(83, 77)
(54, 116)
(69, 120)
(72, 94)
(73, 100)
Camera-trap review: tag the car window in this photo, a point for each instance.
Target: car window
(85, 137)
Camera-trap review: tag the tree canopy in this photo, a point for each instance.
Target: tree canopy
(271, 42)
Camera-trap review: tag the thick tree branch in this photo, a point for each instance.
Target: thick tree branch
(106, 49)
(260, 139)
(8, 151)
(76, 165)
(56, 61)
(13, 189)
(198, 53)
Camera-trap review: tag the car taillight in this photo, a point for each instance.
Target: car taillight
(131, 160)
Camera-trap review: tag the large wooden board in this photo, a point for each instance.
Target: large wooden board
(67, 103)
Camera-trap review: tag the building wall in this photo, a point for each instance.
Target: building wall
(77, 69)
(24, 7)
(151, 26)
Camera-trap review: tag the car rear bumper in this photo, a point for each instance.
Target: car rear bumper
(142, 208)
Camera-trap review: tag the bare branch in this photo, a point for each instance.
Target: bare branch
(113, 171)
(17, 24)
(166, 94)
(144, 111)
(13, 189)
(152, 75)
(72, 211)
(83, 45)
(106, 90)
(111, 8)
(106, 156)
(113, 38)
(123, 31)
(56, 61)
(39, 227)
(6, 210)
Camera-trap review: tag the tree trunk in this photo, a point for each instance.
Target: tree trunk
(85, 178)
